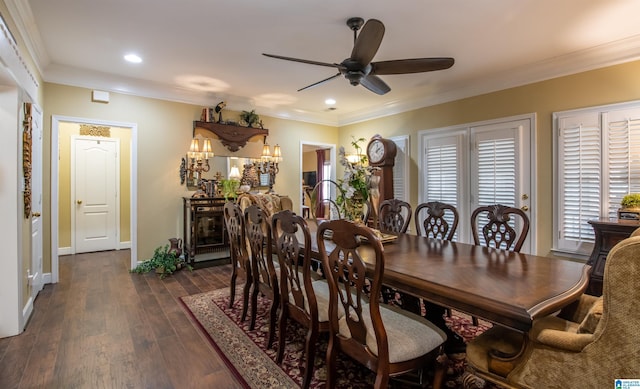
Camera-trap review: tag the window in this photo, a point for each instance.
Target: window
(597, 163)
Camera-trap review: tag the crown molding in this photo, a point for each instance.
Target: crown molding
(21, 14)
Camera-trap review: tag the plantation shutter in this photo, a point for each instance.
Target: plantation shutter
(495, 165)
(623, 159)
(496, 171)
(441, 172)
(579, 143)
(598, 163)
(401, 168)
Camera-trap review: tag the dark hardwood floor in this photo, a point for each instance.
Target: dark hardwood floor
(102, 327)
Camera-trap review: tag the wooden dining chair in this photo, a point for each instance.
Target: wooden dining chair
(383, 338)
(240, 264)
(394, 216)
(265, 280)
(498, 231)
(301, 298)
(437, 220)
(432, 220)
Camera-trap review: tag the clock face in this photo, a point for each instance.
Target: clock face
(376, 151)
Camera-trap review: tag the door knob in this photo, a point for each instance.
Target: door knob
(79, 202)
(525, 208)
(36, 214)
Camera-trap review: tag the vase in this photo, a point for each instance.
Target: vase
(354, 209)
(176, 246)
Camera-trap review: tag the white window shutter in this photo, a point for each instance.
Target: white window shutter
(401, 168)
(579, 143)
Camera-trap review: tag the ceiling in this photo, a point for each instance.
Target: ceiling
(204, 52)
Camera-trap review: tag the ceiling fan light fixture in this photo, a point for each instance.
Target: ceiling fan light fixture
(359, 68)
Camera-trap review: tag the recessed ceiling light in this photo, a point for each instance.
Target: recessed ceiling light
(133, 58)
(330, 101)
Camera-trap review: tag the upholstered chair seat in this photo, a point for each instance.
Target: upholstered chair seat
(400, 326)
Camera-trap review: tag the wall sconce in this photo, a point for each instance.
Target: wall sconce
(268, 163)
(199, 161)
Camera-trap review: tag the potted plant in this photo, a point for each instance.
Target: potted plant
(250, 117)
(163, 261)
(630, 207)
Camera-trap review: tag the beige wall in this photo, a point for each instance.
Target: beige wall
(309, 161)
(603, 86)
(65, 131)
(164, 133)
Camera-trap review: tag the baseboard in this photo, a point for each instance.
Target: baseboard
(46, 278)
(67, 250)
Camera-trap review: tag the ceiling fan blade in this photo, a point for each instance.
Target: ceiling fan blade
(368, 42)
(415, 65)
(331, 65)
(374, 84)
(319, 82)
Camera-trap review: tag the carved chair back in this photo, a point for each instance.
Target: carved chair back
(498, 232)
(394, 216)
(431, 220)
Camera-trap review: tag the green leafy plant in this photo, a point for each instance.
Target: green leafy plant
(632, 200)
(230, 188)
(354, 186)
(163, 262)
(251, 117)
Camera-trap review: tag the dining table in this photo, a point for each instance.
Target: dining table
(503, 287)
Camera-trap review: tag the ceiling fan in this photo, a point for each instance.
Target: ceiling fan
(359, 69)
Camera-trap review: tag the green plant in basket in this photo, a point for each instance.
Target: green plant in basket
(163, 262)
(632, 200)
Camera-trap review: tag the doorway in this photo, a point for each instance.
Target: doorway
(309, 165)
(60, 197)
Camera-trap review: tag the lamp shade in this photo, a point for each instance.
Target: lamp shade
(266, 152)
(277, 154)
(194, 149)
(206, 149)
(234, 173)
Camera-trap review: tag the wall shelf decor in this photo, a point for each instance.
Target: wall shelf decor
(233, 137)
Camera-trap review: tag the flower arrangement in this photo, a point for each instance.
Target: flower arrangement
(354, 186)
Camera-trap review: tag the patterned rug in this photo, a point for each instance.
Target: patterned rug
(255, 367)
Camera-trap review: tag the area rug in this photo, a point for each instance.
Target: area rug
(245, 352)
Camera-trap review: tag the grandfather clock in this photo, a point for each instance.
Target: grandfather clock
(381, 153)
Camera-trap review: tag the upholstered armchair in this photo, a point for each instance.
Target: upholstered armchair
(589, 344)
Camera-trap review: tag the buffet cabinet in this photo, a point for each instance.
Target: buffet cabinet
(204, 230)
(608, 232)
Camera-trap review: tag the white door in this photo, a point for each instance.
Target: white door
(95, 165)
(500, 167)
(35, 272)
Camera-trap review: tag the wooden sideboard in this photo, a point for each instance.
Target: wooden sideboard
(608, 231)
(204, 231)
